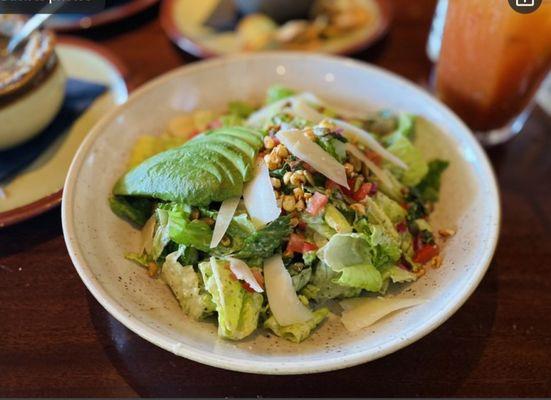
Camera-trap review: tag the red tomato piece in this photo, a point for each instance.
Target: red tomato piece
(297, 244)
(426, 253)
(308, 247)
(363, 191)
(317, 203)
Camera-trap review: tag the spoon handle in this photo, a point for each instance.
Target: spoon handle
(30, 26)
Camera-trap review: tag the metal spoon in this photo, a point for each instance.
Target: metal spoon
(32, 24)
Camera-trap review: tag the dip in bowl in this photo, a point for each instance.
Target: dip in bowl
(32, 84)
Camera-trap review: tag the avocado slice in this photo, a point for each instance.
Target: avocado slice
(174, 175)
(232, 182)
(245, 135)
(240, 160)
(238, 142)
(255, 132)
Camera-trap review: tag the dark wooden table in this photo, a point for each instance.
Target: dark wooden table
(56, 340)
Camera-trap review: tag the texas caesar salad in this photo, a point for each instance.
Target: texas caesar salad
(261, 216)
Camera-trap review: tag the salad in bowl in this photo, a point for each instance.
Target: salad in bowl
(264, 217)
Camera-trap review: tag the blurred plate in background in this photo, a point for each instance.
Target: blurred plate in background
(115, 11)
(215, 27)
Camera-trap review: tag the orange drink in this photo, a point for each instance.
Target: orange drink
(492, 61)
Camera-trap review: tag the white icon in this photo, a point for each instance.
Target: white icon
(525, 3)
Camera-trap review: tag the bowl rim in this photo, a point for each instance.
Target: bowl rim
(274, 367)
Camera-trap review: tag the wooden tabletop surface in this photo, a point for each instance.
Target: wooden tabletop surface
(56, 340)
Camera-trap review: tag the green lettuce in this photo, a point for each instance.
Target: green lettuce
(278, 92)
(136, 210)
(238, 310)
(324, 285)
(301, 278)
(317, 224)
(186, 285)
(391, 208)
(240, 109)
(188, 232)
(264, 242)
(404, 149)
(297, 332)
(400, 143)
(428, 189)
(350, 254)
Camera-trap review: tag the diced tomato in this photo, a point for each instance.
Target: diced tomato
(316, 203)
(302, 225)
(426, 253)
(246, 286)
(297, 244)
(363, 191)
(308, 247)
(375, 157)
(401, 227)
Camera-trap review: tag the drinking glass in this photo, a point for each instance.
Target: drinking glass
(491, 63)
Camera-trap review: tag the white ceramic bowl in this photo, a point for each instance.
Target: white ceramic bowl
(97, 240)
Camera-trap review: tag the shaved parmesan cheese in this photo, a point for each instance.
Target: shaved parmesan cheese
(361, 313)
(370, 141)
(148, 231)
(308, 151)
(259, 196)
(242, 272)
(225, 215)
(378, 172)
(311, 98)
(303, 110)
(282, 298)
(259, 117)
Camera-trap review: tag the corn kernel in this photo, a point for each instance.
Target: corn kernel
(281, 151)
(269, 142)
(289, 203)
(287, 177)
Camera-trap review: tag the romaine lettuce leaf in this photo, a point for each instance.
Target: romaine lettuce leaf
(264, 242)
(185, 284)
(404, 149)
(428, 189)
(238, 309)
(317, 223)
(301, 278)
(391, 208)
(181, 230)
(323, 285)
(297, 332)
(350, 254)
